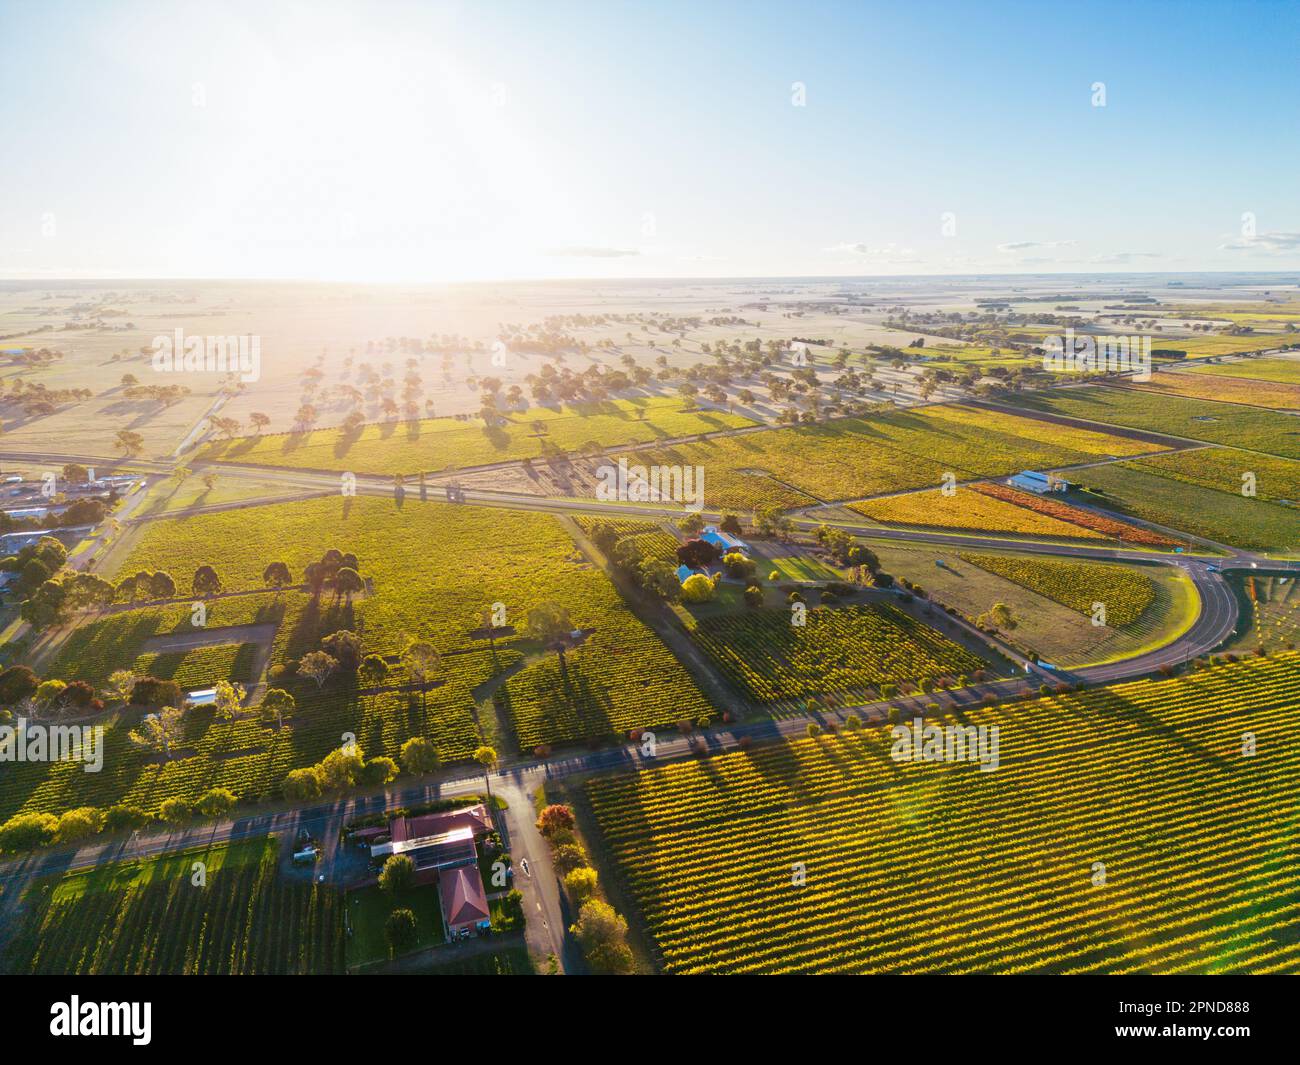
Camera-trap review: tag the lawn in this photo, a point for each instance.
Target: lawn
(793, 567)
(511, 960)
(1124, 830)
(435, 444)
(368, 909)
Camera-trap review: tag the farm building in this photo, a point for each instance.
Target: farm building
(685, 571)
(723, 541)
(464, 903)
(1033, 481)
(442, 847)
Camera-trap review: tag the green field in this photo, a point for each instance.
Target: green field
(1124, 591)
(368, 909)
(1284, 371)
(1198, 419)
(434, 444)
(844, 652)
(830, 855)
(1222, 517)
(435, 568)
(1223, 468)
(1222, 344)
(148, 917)
(851, 458)
(1044, 627)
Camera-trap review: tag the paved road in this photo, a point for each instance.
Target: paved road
(518, 782)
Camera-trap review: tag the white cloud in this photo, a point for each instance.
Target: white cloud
(1026, 245)
(592, 252)
(1265, 243)
(886, 253)
(1125, 257)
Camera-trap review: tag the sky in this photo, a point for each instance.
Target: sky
(387, 141)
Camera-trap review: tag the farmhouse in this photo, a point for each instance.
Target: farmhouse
(464, 905)
(442, 848)
(1041, 483)
(724, 542)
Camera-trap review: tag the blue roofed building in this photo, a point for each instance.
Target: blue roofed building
(723, 541)
(1041, 483)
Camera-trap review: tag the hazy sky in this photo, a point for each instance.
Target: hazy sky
(432, 141)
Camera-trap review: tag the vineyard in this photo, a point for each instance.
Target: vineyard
(200, 667)
(970, 509)
(1274, 395)
(1287, 371)
(649, 537)
(843, 652)
(1125, 831)
(148, 917)
(1223, 517)
(99, 646)
(1084, 519)
(620, 677)
(1125, 592)
(1223, 469)
(1271, 432)
(434, 444)
(436, 568)
(852, 458)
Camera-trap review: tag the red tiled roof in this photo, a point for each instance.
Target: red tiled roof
(426, 825)
(463, 900)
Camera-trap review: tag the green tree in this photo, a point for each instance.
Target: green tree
(277, 575)
(581, 884)
(175, 811)
(216, 802)
(397, 875)
(602, 934)
(419, 756)
(487, 758)
(205, 582)
(400, 932)
(302, 785)
(229, 699)
(275, 704)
